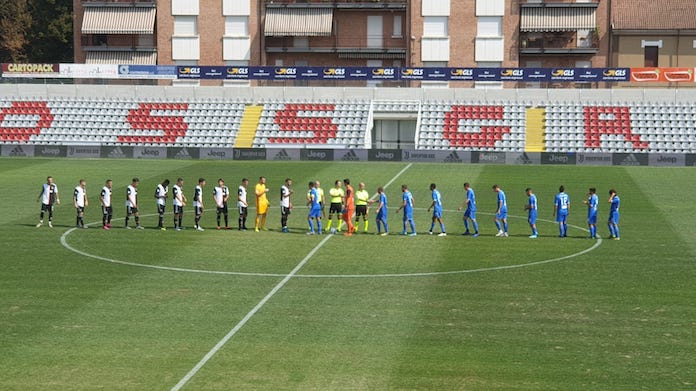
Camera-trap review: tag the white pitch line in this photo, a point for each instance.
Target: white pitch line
(260, 304)
(248, 316)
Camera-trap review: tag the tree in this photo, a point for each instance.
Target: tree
(51, 34)
(15, 22)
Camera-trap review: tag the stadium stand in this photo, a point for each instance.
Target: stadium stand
(448, 122)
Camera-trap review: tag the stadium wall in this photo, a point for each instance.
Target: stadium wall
(526, 97)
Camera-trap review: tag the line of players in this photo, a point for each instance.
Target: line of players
(344, 202)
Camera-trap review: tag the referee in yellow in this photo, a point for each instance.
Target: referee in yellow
(362, 199)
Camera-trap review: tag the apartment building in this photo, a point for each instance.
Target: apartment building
(416, 33)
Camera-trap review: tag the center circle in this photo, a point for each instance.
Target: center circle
(595, 245)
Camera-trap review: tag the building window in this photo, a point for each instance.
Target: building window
(490, 26)
(651, 55)
(398, 31)
(236, 26)
(186, 26)
(435, 26)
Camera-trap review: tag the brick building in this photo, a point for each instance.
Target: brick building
(437, 33)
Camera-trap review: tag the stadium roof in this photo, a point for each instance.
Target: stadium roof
(654, 15)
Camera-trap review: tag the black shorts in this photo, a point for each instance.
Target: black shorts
(46, 207)
(242, 210)
(284, 211)
(360, 210)
(178, 209)
(80, 209)
(198, 210)
(222, 210)
(107, 210)
(131, 210)
(335, 207)
(160, 208)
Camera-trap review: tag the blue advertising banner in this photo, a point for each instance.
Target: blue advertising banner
(512, 74)
(563, 74)
(486, 74)
(188, 72)
(580, 75)
(616, 74)
(147, 71)
(537, 74)
(237, 73)
(461, 74)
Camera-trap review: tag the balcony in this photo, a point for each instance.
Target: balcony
(559, 43)
(343, 47)
(345, 4)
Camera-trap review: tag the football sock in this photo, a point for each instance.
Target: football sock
(218, 219)
(466, 225)
(386, 227)
(137, 220)
(126, 221)
(311, 227)
(318, 225)
(340, 224)
(616, 231)
(432, 225)
(497, 224)
(198, 220)
(442, 227)
(505, 226)
(227, 224)
(413, 226)
(366, 224)
(328, 226)
(256, 225)
(104, 220)
(475, 227)
(565, 229)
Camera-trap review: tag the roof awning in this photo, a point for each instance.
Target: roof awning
(118, 20)
(121, 57)
(298, 22)
(543, 19)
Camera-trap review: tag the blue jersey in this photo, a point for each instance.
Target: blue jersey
(383, 201)
(437, 199)
(615, 202)
(471, 197)
(532, 203)
(562, 202)
(592, 203)
(502, 201)
(408, 199)
(314, 197)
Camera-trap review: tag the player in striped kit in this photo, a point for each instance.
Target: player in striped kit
(198, 204)
(220, 195)
(49, 198)
(80, 201)
(107, 209)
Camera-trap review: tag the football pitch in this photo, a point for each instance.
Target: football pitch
(236, 310)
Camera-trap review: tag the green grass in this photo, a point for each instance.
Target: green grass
(621, 317)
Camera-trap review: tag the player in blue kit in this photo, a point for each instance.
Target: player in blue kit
(470, 212)
(561, 207)
(314, 203)
(592, 202)
(436, 206)
(614, 214)
(501, 213)
(382, 212)
(407, 206)
(532, 208)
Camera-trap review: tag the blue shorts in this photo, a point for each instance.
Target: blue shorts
(408, 215)
(470, 214)
(437, 212)
(614, 217)
(561, 216)
(502, 214)
(315, 212)
(532, 217)
(592, 218)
